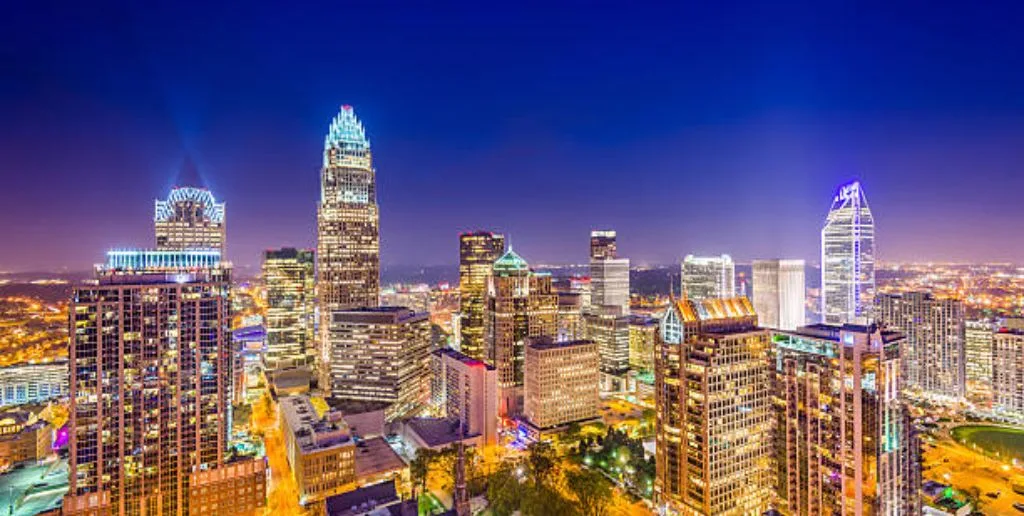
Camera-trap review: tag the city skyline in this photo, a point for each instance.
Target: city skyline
(761, 127)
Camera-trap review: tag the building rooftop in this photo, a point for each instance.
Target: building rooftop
(511, 262)
(463, 358)
(545, 343)
(375, 456)
(311, 431)
(436, 432)
(832, 332)
(378, 315)
(715, 309)
(34, 489)
(370, 499)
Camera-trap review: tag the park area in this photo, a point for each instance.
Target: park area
(995, 441)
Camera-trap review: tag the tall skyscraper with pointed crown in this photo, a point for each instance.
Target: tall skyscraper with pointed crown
(348, 232)
(848, 258)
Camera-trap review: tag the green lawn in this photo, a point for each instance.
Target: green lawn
(1008, 443)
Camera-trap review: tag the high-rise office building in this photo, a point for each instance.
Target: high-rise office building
(933, 352)
(469, 394)
(978, 354)
(779, 293)
(606, 327)
(561, 380)
(379, 354)
(844, 442)
(520, 304)
(642, 332)
(190, 218)
(609, 274)
(150, 385)
(603, 244)
(289, 282)
(33, 383)
(477, 253)
(848, 258)
(570, 316)
(1008, 373)
(713, 436)
(707, 277)
(348, 233)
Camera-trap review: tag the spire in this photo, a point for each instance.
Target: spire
(461, 495)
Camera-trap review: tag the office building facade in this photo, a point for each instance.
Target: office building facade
(561, 380)
(150, 385)
(603, 244)
(779, 293)
(379, 354)
(477, 253)
(707, 277)
(712, 401)
(33, 383)
(642, 332)
(521, 303)
(848, 258)
(469, 393)
(288, 276)
(321, 450)
(933, 353)
(348, 220)
(606, 327)
(844, 441)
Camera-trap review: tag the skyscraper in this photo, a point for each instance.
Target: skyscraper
(607, 328)
(348, 235)
(844, 442)
(1008, 373)
(848, 257)
(609, 274)
(379, 354)
(190, 218)
(150, 385)
(707, 277)
(520, 304)
(933, 353)
(288, 278)
(603, 244)
(779, 293)
(713, 409)
(978, 353)
(477, 253)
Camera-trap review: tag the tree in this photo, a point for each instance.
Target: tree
(419, 468)
(545, 501)
(542, 461)
(504, 491)
(592, 492)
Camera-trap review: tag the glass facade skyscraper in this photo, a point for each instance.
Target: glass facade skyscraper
(779, 293)
(477, 253)
(348, 233)
(707, 277)
(289, 282)
(848, 257)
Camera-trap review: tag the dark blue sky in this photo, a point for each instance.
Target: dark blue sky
(694, 128)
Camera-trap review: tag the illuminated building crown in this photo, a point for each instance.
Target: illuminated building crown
(188, 194)
(346, 133)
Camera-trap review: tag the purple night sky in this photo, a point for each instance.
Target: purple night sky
(687, 129)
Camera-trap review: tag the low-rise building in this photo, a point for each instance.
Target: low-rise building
(23, 437)
(237, 487)
(33, 383)
(320, 450)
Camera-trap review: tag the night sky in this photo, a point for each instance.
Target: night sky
(691, 129)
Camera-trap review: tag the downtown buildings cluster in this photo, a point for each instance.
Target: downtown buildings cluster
(755, 410)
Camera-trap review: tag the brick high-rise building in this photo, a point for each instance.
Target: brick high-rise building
(151, 385)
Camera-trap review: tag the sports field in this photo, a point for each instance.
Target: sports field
(1006, 443)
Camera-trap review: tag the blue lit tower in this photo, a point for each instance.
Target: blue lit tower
(848, 257)
(190, 218)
